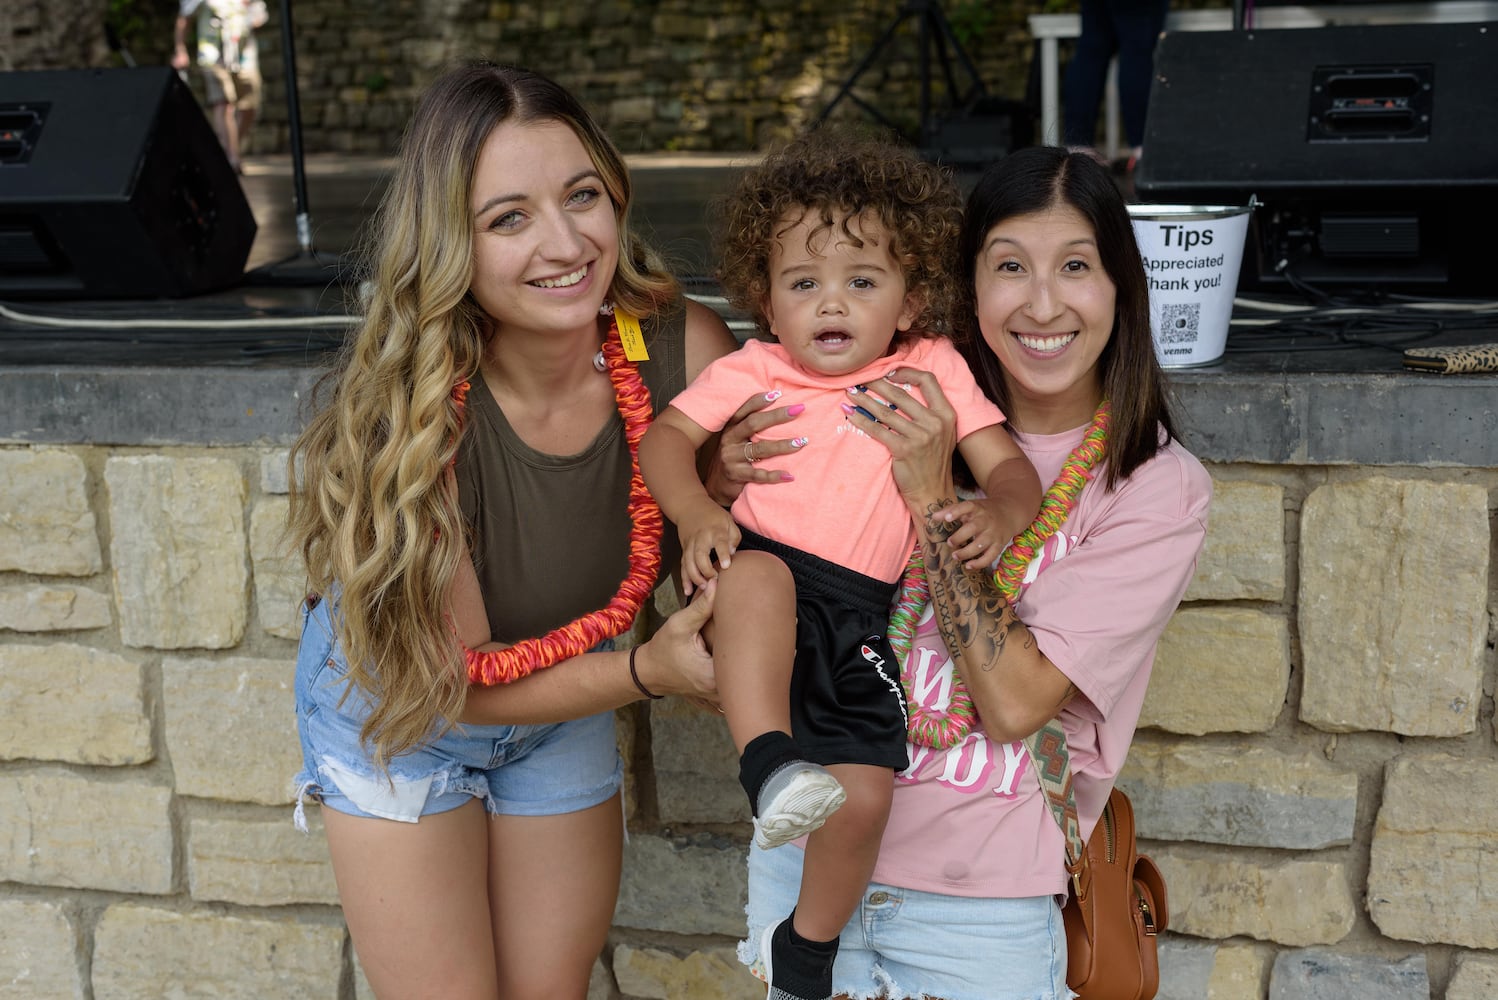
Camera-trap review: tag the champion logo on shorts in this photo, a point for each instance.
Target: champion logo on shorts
(874, 657)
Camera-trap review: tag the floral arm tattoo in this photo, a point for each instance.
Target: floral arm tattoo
(976, 622)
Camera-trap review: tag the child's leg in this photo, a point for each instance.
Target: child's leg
(754, 650)
(754, 645)
(799, 951)
(840, 856)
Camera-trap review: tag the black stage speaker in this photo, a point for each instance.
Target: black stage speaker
(1372, 150)
(113, 185)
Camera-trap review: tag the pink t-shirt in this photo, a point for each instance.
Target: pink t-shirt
(972, 820)
(843, 504)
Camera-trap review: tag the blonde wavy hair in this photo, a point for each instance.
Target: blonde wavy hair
(374, 506)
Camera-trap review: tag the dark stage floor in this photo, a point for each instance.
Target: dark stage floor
(291, 307)
(287, 306)
(671, 193)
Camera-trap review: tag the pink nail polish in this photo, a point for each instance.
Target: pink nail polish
(796, 409)
(848, 409)
(786, 477)
(772, 395)
(798, 442)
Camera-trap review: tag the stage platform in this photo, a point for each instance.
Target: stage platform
(292, 309)
(289, 307)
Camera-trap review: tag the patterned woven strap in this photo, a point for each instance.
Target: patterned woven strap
(1052, 760)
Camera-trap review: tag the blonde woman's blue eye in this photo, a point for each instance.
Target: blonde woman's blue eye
(509, 220)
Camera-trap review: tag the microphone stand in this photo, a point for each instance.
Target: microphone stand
(294, 121)
(323, 269)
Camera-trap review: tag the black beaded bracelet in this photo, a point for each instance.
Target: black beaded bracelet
(636, 677)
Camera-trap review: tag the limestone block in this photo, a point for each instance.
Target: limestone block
(1185, 967)
(631, 109)
(38, 952)
(1219, 895)
(146, 953)
(1393, 606)
(231, 727)
(1219, 670)
(73, 703)
(684, 26)
(662, 975)
(1243, 557)
(178, 551)
(1251, 797)
(1430, 874)
(59, 828)
(1206, 970)
(686, 885)
(274, 475)
(1476, 978)
(50, 608)
(280, 579)
(696, 768)
(259, 862)
(600, 983)
(46, 524)
(362, 989)
(1240, 972)
(426, 54)
(1315, 974)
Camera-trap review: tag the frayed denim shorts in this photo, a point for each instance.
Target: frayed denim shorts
(532, 770)
(905, 943)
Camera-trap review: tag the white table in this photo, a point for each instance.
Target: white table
(1048, 28)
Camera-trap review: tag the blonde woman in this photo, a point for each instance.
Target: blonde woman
(468, 506)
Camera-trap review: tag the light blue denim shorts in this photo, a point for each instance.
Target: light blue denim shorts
(540, 770)
(904, 943)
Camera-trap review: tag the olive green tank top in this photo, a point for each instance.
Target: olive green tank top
(549, 534)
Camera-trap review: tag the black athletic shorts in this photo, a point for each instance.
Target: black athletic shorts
(847, 706)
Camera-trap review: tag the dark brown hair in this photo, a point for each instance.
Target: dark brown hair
(1042, 177)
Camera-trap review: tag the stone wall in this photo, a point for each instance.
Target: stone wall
(659, 74)
(1316, 773)
(664, 75)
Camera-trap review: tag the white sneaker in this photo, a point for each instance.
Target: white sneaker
(795, 801)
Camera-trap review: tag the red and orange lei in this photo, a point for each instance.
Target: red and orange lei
(577, 637)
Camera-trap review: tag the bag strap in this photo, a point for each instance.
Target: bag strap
(1052, 761)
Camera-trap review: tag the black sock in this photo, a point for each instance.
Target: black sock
(763, 756)
(802, 967)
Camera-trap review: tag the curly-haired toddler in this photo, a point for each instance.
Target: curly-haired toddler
(842, 247)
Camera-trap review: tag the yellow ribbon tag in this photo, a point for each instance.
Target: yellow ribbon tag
(631, 337)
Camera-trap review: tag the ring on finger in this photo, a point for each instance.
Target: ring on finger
(749, 455)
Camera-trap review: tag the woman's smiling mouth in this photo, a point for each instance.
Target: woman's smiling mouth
(1046, 344)
(564, 281)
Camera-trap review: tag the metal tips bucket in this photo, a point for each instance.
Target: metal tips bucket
(1191, 258)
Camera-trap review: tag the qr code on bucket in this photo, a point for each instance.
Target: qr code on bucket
(1178, 322)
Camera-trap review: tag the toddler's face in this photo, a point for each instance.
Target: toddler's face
(834, 306)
